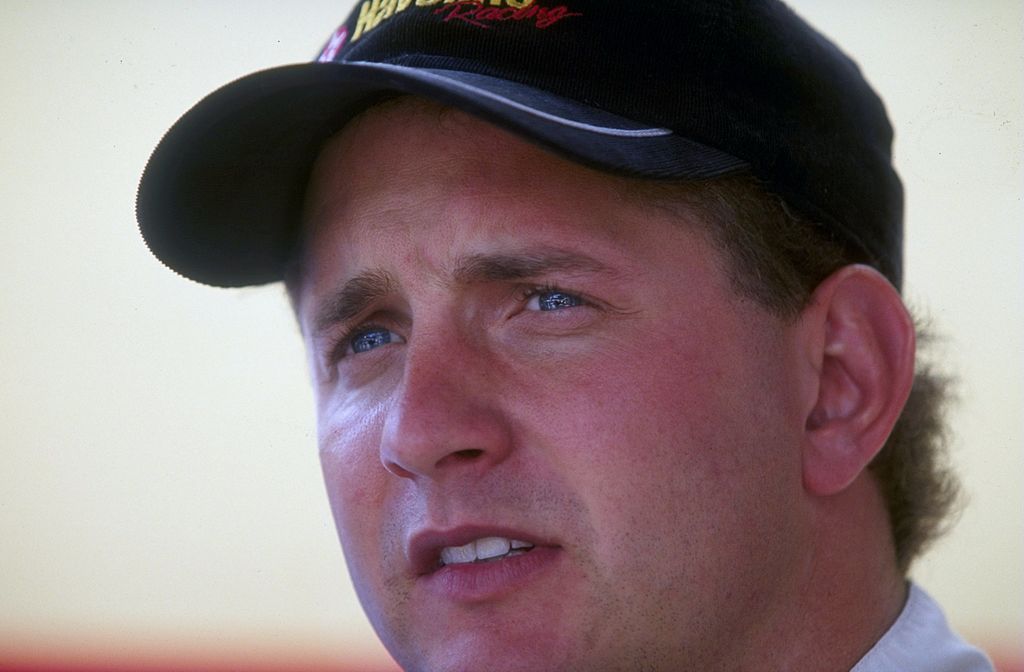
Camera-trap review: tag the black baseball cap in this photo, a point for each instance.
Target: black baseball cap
(659, 89)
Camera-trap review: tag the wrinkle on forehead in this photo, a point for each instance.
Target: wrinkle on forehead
(401, 133)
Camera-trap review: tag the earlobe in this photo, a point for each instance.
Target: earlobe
(861, 340)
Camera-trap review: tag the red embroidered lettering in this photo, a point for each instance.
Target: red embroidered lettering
(474, 13)
(549, 17)
(461, 11)
(494, 14)
(525, 12)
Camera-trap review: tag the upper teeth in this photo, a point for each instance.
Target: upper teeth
(481, 549)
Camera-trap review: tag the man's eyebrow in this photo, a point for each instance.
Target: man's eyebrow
(478, 268)
(361, 291)
(354, 297)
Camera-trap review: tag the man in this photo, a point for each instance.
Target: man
(602, 312)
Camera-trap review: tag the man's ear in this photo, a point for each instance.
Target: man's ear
(860, 341)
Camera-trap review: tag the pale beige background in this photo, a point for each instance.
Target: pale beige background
(158, 478)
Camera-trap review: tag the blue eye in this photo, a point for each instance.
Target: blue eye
(548, 300)
(368, 339)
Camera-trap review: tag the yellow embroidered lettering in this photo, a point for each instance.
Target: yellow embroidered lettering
(426, 3)
(386, 10)
(519, 4)
(365, 20)
(402, 5)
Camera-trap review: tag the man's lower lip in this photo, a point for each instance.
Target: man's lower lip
(478, 581)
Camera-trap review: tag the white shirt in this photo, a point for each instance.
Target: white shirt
(921, 641)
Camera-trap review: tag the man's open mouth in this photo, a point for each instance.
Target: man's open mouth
(486, 549)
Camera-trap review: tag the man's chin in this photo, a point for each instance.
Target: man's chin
(486, 648)
(534, 630)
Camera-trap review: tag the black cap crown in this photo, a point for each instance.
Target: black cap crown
(663, 89)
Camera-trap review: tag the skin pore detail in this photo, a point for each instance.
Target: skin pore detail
(601, 431)
(369, 337)
(521, 270)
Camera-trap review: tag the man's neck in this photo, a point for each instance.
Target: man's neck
(846, 596)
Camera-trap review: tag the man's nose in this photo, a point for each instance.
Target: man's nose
(447, 418)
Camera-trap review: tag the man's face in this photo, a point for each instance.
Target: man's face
(511, 350)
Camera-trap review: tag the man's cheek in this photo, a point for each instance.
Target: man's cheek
(355, 479)
(358, 508)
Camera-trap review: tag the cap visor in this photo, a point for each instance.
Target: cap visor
(221, 197)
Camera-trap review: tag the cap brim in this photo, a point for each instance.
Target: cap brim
(221, 197)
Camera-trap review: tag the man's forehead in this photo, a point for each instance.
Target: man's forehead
(405, 126)
(381, 175)
(495, 205)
